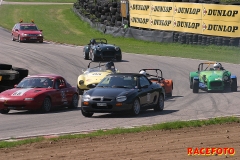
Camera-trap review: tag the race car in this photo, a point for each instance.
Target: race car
(123, 92)
(157, 77)
(23, 32)
(93, 75)
(99, 49)
(39, 92)
(214, 78)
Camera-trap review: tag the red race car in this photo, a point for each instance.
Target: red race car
(26, 32)
(157, 77)
(39, 92)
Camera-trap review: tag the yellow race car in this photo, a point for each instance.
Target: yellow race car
(93, 75)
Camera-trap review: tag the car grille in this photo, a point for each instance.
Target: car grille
(108, 54)
(216, 84)
(102, 107)
(102, 99)
(32, 35)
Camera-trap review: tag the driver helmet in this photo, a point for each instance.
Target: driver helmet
(217, 66)
(93, 41)
(109, 65)
(143, 72)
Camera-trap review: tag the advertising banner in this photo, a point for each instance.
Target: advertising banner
(187, 25)
(187, 10)
(161, 23)
(162, 9)
(139, 7)
(220, 28)
(215, 12)
(142, 21)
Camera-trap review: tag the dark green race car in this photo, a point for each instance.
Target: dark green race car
(99, 49)
(212, 79)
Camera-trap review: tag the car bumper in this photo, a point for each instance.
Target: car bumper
(108, 55)
(20, 105)
(111, 107)
(31, 38)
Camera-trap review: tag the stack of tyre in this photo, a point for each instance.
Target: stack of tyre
(9, 76)
(103, 11)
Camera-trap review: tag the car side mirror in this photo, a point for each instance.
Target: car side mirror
(145, 86)
(16, 29)
(15, 85)
(40, 30)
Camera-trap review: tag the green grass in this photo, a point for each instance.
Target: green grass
(58, 1)
(60, 24)
(162, 126)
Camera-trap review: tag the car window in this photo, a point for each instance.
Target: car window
(144, 81)
(118, 82)
(28, 27)
(57, 83)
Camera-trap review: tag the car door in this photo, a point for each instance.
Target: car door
(145, 91)
(65, 92)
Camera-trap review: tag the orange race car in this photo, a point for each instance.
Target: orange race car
(155, 75)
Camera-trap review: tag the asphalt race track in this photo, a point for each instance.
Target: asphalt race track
(68, 61)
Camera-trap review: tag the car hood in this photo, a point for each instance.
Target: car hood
(110, 92)
(31, 32)
(22, 92)
(212, 75)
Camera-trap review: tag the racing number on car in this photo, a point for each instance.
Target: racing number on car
(63, 95)
(148, 96)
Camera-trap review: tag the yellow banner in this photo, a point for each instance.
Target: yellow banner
(162, 9)
(161, 23)
(139, 7)
(187, 25)
(220, 28)
(187, 10)
(227, 13)
(142, 21)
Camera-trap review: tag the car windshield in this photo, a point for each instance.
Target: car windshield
(36, 82)
(93, 69)
(119, 81)
(29, 27)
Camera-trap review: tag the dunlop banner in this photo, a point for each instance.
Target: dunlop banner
(139, 7)
(142, 21)
(187, 10)
(161, 23)
(162, 9)
(220, 28)
(187, 25)
(227, 13)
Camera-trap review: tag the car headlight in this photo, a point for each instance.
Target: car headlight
(2, 99)
(24, 35)
(40, 35)
(86, 97)
(121, 98)
(99, 48)
(117, 48)
(28, 99)
(81, 82)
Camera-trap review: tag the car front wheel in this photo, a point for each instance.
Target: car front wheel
(19, 39)
(160, 104)
(4, 111)
(136, 107)
(87, 114)
(74, 103)
(47, 105)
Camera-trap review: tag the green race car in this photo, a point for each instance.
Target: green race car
(212, 79)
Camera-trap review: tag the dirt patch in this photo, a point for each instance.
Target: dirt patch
(152, 145)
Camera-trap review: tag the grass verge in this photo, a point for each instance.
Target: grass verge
(60, 24)
(162, 126)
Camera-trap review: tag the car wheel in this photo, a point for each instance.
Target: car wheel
(136, 107)
(195, 86)
(160, 104)
(19, 39)
(47, 105)
(87, 114)
(191, 83)
(80, 91)
(74, 103)
(93, 57)
(4, 111)
(13, 38)
(85, 56)
(234, 85)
